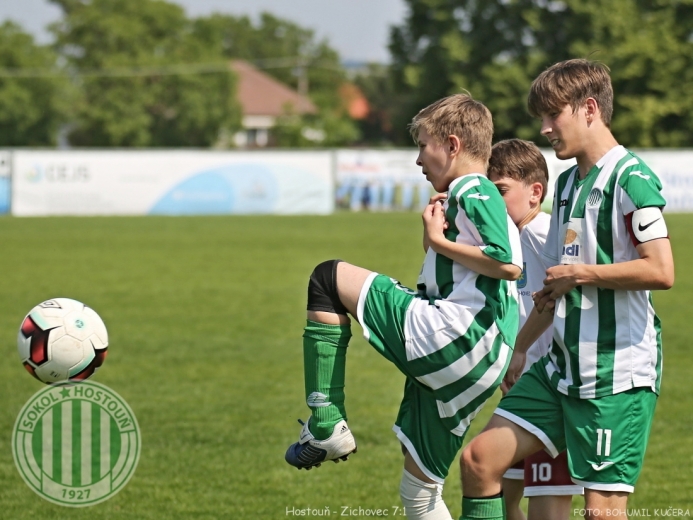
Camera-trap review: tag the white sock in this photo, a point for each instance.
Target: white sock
(422, 500)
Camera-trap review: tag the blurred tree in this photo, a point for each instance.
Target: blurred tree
(151, 108)
(495, 48)
(377, 85)
(292, 55)
(31, 108)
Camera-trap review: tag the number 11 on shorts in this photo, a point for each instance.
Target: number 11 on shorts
(606, 436)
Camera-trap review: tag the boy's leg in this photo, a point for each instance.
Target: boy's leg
(598, 502)
(484, 461)
(513, 488)
(333, 291)
(512, 495)
(325, 340)
(429, 451)
(487, 457)
(422, 498)
(549, 486)
(524, 422)
(555, 507)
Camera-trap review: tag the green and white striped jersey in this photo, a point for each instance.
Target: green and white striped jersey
(460, 334)
(604, 341)
(477, 216)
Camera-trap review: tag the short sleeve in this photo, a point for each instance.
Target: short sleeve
(640, 188)
(486, 210)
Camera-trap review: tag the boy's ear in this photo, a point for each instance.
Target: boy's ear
(454, 145)
(537, 192)
(591, 110)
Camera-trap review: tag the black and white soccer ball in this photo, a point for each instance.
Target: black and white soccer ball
(62, 340)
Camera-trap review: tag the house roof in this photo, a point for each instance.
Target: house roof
(261, 95)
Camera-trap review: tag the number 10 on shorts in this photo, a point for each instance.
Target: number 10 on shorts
(541, 472)
(604, 435)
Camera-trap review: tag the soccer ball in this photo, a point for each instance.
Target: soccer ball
(62, 340)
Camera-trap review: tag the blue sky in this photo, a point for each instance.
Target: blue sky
(358, 29)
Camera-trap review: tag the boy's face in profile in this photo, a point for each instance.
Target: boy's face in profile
(434, 161)
(562, 129)
(518, 196)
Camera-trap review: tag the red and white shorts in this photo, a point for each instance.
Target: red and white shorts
(544, 475)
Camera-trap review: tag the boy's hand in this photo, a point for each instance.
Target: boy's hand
(543, 301)
(438, 197)
(559, 280)
(434, 223)
(515, 368)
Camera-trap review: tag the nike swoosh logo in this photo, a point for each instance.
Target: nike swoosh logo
(639, 174)
(478, 196)
(643, 228)
(601, 466)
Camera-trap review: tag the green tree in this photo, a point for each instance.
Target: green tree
(31, 108)
(377, 86)
(142, 101)
(495, 48)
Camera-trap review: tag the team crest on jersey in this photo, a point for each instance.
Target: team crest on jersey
(522, 280)
(595, 197)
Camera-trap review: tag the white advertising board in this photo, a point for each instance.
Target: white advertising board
(171, 183)
(180, 182)
(675, 169)
(373, 177)
(5, 170)
(380, 180)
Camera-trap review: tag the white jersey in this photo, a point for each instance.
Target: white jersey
(532, 239)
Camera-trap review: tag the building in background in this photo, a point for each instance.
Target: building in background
(263, 99)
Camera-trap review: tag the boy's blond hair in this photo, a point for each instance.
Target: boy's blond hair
(458, 115)
(519, 160)
(571, 82)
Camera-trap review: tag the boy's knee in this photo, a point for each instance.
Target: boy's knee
(475, 463)
(322, 289)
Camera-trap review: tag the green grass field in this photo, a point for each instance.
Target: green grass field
(205, 318)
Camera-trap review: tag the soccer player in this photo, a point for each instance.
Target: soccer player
(452, 337)
(519, 171)
(607, 248)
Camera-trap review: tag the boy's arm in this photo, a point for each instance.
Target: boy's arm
(536, 324)
(652, 271)
(472, 257)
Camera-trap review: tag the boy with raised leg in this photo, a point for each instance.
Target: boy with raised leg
(607, 248)
(452, 336)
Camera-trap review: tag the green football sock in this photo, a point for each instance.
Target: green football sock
(324, 361)
(483, 508)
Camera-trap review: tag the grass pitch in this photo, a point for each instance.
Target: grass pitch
(205, 318)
